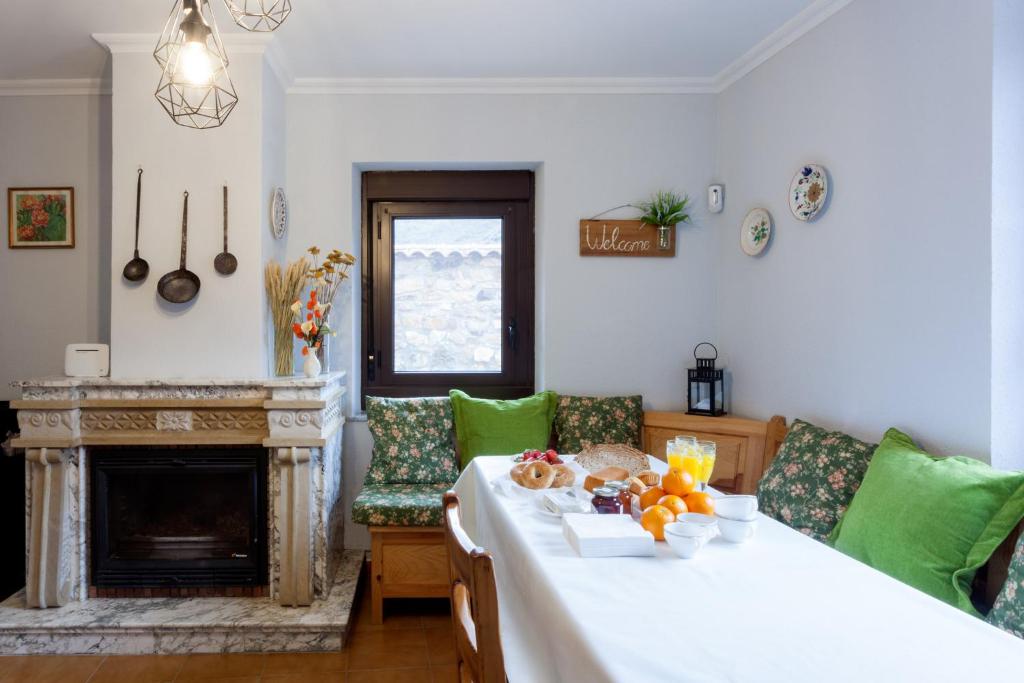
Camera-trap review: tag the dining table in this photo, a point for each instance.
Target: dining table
(779, 607)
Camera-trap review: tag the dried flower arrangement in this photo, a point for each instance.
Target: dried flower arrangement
(326, 277)
(282, 290)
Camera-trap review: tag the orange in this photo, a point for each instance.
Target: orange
(673, 503)
(678, 482)
(650, 496)
(654, 520)
(700, 502)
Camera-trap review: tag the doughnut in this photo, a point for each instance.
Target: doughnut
(649, 477)
(538, 475)
(564, 476)
(516, 473)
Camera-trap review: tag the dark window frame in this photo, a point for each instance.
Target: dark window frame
(390, 194)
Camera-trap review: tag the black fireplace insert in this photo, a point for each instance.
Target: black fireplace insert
(179, 517)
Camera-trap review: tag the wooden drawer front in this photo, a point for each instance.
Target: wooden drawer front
(408, 564)
(731, 453)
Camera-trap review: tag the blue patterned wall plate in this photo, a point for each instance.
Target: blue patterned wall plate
(808, 192)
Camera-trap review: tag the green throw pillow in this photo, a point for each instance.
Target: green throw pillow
(583, 421)
(811, 481)
(491, 427)
(412, 441)
(929, 522)
(1008, 611)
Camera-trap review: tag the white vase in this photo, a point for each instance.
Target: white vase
(311, 366)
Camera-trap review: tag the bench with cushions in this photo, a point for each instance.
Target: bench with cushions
(413, 464)
(416, 459)
(891, 504)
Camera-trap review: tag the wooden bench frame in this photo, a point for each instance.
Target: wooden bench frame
(411, 562)
(406, 562)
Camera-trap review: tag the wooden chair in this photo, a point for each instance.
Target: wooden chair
(474, 602)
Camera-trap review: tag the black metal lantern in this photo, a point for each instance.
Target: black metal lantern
(705, 385)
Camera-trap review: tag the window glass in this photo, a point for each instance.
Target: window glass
(447, 295)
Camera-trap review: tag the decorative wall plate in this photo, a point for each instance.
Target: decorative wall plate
(278, 213)
(756, 231)
(808, 192)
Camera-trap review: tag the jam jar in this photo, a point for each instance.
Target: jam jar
(606, 501)
(625, 497)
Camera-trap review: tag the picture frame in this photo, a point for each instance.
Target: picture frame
(41, 217)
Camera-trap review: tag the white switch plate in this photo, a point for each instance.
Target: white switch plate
(716, 198)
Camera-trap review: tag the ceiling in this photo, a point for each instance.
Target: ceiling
(428, 38)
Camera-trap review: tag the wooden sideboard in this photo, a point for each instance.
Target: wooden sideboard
(744, 447)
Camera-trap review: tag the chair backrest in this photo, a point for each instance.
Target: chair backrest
(474, 602)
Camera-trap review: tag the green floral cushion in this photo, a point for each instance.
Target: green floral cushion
(412, 441)
(583, 421)
(810, 483)
(1008, 612)
(399, 504)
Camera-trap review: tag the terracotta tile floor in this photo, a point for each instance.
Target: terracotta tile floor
(414, 645)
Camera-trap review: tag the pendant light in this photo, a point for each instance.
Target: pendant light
(259, 15)
(195, 88)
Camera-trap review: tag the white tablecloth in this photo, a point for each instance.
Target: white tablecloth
(781, 607)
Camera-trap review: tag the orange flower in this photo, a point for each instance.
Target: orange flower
(297, 329)
(309, 316)
(317, 314)
(312, 295)
(313, 331)
(317, 345)
(310, 304)
(305, 350)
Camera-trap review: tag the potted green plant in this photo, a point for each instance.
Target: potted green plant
(665, 210)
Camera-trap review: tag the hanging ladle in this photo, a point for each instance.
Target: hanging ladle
(181, 285)
(225, 262)
(137, 269)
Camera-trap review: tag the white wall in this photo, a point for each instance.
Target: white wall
(213, 335)
(877, 314)
(1007, 236)
(55, 297)
(605, 326)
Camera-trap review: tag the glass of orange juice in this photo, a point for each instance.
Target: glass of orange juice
(676, 448)
(692, 462)
(708, 451)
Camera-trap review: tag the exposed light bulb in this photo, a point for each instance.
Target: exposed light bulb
(194, 63)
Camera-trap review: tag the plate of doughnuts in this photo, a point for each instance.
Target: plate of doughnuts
(540, 474)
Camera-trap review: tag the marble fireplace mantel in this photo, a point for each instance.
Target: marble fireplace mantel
(299, 419)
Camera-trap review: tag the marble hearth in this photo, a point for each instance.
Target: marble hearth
(310, 580)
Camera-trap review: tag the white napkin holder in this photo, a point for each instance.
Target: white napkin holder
(608, 535)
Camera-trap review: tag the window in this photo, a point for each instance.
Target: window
(448, 283)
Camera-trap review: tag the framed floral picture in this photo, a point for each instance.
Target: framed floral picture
(40, 217)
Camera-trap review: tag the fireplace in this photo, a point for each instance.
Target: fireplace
(179, 518)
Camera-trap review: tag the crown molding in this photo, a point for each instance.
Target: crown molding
(811, 16)
(501, 86)
(245, 43)
(54, 86)
(261, 43)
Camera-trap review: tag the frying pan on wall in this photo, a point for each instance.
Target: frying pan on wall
(181, 285)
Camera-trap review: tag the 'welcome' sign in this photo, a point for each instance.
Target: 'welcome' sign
(623, 238)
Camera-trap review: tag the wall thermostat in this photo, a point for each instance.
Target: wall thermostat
(87, 360)
(716, 198)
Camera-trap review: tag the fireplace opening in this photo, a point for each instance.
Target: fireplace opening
(179, 517)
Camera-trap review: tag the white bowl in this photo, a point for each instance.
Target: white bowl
(684, 546)
(697, 518)
(737, 530)
(688, 530)
(736, 507)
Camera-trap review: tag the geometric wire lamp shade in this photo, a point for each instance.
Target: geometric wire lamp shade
(195, 88)
(259, 15)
